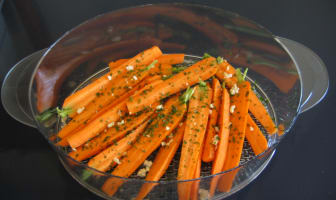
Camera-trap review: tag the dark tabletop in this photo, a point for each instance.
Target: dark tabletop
(304, 166)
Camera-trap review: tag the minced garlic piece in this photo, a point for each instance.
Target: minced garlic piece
(232, 108)
(116, 160)
(227, 75)
(234, 90)
(142, 172)
(129, 68)
(251, 128)
(80, 110)
(110, 125)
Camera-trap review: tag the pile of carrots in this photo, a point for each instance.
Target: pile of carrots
(146, 103)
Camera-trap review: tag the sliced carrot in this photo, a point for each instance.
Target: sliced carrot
(259, 111)
(196, 123)
(93, 128)
(154, 134)
(104, 159)
(201, 70)
(162, 161)
(162, 69)
(123, 83)
(195, 184)
(255, 137)
(107, 138)
(171, 59)
(226, 73)
(117, 63)
(239, 112)
(222, 145)
(208, 154)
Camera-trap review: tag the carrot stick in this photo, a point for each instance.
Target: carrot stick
(202, 70)
(259, 111)
(255, 137)
(107, 138)
(93, 128)
(161, 162)
(84, 96)
(226, 73)
(162, 69)
(171, 59)
(117, 63)
(222, 144)
(124, 82)
(208, 154)
(154, 134)
(196, 123)
(104, 159)
(239, 112)
(195, 184)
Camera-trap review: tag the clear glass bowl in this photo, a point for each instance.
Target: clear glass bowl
(275, 65)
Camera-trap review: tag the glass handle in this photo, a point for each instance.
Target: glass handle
(313, 73)
(15, 88)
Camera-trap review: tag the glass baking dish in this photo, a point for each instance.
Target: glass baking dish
(289, 76)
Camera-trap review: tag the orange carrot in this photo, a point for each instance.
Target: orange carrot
(162, 69)
(202, 70)
(107, 138)
(154, 134)
(196, 123)
(117, 63)
(226, 73)
(162, 161)
(239, 112)
(195, 184)
(93, 128)
(259, 111)
(222, 142)
(104, 159)
(255, 137)
(171, 59)
(125, 81)
(209, 148)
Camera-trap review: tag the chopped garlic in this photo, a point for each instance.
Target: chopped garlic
(232, 108)
(142, 172)
(234, 90)
(74, 149)
(129, 68)
(109, 77)
(212, 106)
(121, 122)
(116, 160)
(163, 144)
(80, 110)
(159, 107)
(215, 140)
(135, 78)
(181, 124)
(251, 128)
(227, 75)
(227, 68)
(216, 128)
(204, 194)
(110, 125)
(148, 163)
(167, 128)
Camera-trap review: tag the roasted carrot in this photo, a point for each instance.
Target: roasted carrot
(125, 80)
(104, 159)
(222, 142)
(84, 96)
(162, 69)
(117, 63)
(201, 70)
(255, 137)
(162, 161)
(196, 123)
(259, 111)
(195, 184)
(226, 73)
(154, 134)
(238, 117)
(112, 135)
(209, 148)
(171, 59)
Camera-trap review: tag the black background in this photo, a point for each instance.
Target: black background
(304, 165)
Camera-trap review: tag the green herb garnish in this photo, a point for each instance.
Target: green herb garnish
(187, 95)
(206, 55)
(220, 60)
